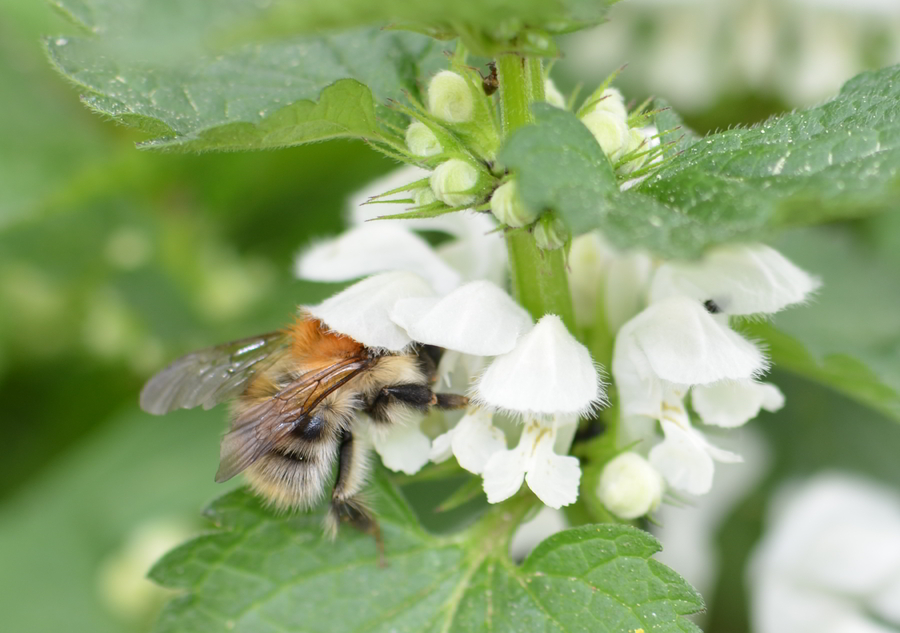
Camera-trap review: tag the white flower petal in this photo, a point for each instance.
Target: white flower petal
(683, 460)
(477, 318)
(739, 279)
(565, 427)
(629, 486)
(475, 440)
(627, 279)
(441, 447)
(503, 474)
(548, 372)
(553, 478)
(373, 248)
(640, 389)
(587, 260)
(685, 345)
(731, 403)
(529, 534)
(402, 447)
(362, 310)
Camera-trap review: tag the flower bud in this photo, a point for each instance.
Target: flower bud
(552, 95)
(629, 486)
(636, 142)
(421, 141)
(610, 100)
(453, 181)
(507, 206)
(610, 130)
(450, 98)
(423, 196)
(550, 233)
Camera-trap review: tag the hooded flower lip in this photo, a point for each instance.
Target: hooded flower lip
(548, 372)
(732, 403)
(738, 279)
(477, 318)
(362, 311)
(553, 478)
(375, 248)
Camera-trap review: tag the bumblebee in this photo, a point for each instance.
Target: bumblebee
(296, 394)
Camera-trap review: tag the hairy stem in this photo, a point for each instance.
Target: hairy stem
(539, 279)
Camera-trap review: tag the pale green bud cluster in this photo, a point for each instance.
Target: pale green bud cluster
(454, 182)
(508, 208)
(421, 141)
(629, 486)
(607, 119)
(450, 98)
(550, 233)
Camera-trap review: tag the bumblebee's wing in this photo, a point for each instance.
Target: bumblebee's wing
(259, 428)
(212, 375)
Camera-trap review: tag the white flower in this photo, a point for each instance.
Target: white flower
(450, 98)
(363, 310)
(370, 247)
(737, 279)
(402, 446)
(677, 342)
(421, 141)
(829, 560)
(552, 95)
(453, 181)
(731, 403)
(472, 441)
(629, 486)
(548, 372)
(553, 478)
(477, 318)
(508, 208)
(685, 457)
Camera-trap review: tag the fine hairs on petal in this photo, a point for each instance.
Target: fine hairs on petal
(362, 311)
(548, 372)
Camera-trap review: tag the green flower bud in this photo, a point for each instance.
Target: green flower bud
(552, 95)
(550, 233)
(507, 206)
(424, 196)
(450, 98)
(610, 100)
(421, 141)
(636, 142)
(610, 130)
(629, 486)
(453, 181)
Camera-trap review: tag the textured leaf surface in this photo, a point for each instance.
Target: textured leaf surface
(839, 160)
(849, 337)
(258, 572)
(272, 94)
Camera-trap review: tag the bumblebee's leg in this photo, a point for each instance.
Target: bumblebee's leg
(413, 395)
(347, 503)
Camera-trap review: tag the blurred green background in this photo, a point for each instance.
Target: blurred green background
(113, 261)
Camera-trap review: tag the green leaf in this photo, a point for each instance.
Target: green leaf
(849, 338)
(838, 160)
(272, 94)
(259, 572)
(671, 128)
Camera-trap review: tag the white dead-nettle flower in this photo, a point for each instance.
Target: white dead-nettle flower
(363, 310)
(552, 95)
(508, 208)
(371, 246)
(472, 441)
(402, 446)
(452, 182)
(450, 97)
(547, 373)
(629, 486)
(421, 141)
(737, 279)
(829, 560)
(732, 403)
(554, 478)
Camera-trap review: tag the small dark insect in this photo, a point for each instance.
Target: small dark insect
(295, 397)
(712, 307)
(490, 83)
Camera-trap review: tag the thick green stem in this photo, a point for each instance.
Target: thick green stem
(538, 277)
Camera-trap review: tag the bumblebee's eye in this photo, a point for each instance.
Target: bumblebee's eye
(712, 307)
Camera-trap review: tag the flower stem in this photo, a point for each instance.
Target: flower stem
(539, 278)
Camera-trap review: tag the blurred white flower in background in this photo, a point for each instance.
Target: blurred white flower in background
(694, 52)
(829, 561)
